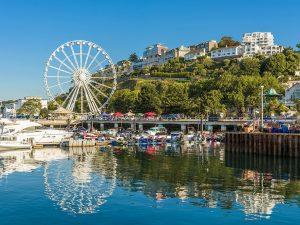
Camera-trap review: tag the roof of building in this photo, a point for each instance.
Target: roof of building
(61, 110)
(195, 51)
(272, 92)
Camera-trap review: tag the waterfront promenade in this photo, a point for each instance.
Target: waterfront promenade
(181, 124)
(141, 124)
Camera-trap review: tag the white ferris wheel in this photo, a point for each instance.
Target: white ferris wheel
(80, 77)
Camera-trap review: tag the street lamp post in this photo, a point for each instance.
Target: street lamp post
(262, 107)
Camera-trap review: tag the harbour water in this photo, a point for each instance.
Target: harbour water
(146, 185)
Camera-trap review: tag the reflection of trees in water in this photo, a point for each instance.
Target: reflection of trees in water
(202, 179)
(176, 175)
(82, 184)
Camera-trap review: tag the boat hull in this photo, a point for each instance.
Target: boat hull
(14, 146)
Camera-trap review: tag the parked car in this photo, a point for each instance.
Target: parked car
(170, 117)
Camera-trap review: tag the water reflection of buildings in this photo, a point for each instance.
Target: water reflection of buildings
(263, 180)
(78, 181)
(258, 199)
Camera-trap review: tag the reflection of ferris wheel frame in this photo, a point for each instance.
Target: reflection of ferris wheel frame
(80, 77)
(78, 186)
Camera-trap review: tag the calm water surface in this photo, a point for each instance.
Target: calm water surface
(161, 185)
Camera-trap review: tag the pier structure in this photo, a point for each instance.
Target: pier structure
(183, 125)
(58, 122)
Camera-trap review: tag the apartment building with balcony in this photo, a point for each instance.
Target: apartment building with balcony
(260, 43)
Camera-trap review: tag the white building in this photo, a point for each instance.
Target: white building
(292, 94)
(20, 102)
(252, 44)
(193, 55)
(260, 43)
(10, 109)
(229, 52)
(262, 39)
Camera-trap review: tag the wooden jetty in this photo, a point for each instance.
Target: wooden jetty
(263, 143)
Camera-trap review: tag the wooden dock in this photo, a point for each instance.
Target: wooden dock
(286, 145)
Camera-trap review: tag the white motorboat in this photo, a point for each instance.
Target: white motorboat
(12, 145)
(24, 133)
(10, 142)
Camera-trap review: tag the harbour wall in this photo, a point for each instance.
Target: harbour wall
(285, 145)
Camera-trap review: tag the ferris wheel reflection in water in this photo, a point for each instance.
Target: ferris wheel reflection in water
(80, 185)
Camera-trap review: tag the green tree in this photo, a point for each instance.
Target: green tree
(274, 107)
(250, 66)
(275, 64)
(31, 107)
(124, 100)
(292, 61)
(146, 70)
(227, 41)
(148, 99)
(44, 113)
(52, 106)
(174, 96)
(133, 57)
(211, 102)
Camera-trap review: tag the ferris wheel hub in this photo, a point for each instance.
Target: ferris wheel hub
(81, 75)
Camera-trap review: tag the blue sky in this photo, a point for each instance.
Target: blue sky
(32, 29)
